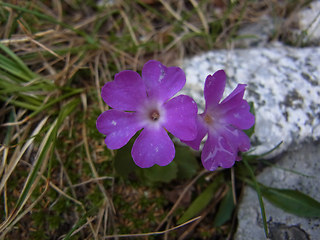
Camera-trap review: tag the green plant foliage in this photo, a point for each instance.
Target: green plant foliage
(252, 158)
(123, 162)
(250, 131)
(184, 165)
(292, 201)
(256, 186)
(201, 201)
(12, 66)
(80, 222)
(18, 85)
(186, 162)
(50, 140)
(225, 210)
(49, 19)
(161, 174)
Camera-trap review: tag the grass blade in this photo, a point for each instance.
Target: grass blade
(54, 101)
(292, 201)
(15, 64)
(225, 210)
(14, 161)
(257, 188)
(49, 19)
(39, 163)
(201, 201)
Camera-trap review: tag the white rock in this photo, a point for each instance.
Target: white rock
(309, 21)
(282, 225)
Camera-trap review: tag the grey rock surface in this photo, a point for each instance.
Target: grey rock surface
(302, 28)
(283, 82)
(309, 22)
(282, 225)
(256, 34)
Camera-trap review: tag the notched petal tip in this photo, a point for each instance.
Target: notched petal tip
(162, 82)
(235, 98)
(153, 147)
(127, 92)
(213, 88)
(119, 127)
(220, 74)
(239, 116)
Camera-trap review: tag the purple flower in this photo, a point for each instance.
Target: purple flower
(144, 103)
(223, 123)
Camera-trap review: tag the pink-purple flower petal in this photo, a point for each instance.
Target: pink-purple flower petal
(237, 138)
(222, 147)
(234, 100)
(118, 126)
(240, 117)
(202, 130)
(153, 146)
(127, 92)
(214, 88)
(217, 152)
(181, 113)
(162, 82)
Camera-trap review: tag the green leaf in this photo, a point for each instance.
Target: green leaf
(187, 163)
(250, 131)
(292, 201)
(253, 157)
(201, 201)
(161, 174)
(225, 210)
(123, 162)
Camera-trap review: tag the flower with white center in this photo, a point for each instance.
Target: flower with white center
(146, 103)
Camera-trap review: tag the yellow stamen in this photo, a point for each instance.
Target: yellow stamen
(154, 115)
(208, 119)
